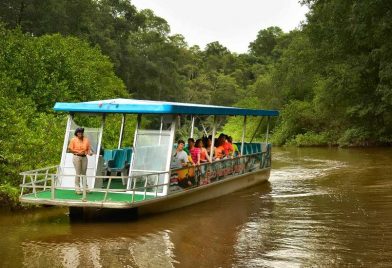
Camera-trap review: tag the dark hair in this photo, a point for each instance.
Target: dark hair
(181, 141)
(198, 142)
(230, 139)
(220, 141)
(191, 139)
(79, 130)
(205, 141)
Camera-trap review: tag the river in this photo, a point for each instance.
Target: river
(321, 208)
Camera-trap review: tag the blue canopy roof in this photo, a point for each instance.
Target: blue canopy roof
(131, 106)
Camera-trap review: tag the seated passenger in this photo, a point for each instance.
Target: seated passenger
(191, 143)
(195, 152)
(229, 150)
(207, 145)
(220, 149)
(236, 151)
(179, 157)
(204, 156)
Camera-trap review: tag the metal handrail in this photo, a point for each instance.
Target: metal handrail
(36, 170)
(220, 161)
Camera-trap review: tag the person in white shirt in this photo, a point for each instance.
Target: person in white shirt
(179, 157)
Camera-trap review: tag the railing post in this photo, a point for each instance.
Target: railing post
(23, 182)
(84, 185)
(192, 125)
(156, 185)
(46, 178)
(33, 184)
(213, 138)
(107, 189)
(145, 187)
(52, 188)
(266, 136)
(121, 131)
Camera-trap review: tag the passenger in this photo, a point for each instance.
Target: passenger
(195, 152)
(236, 151)
(80, 147)
(191, 144)
(229, 150)
(207, 145)
(204, 157)
(179, 158)
(220, 149)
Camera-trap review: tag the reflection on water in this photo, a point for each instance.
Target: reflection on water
(105, 252)
(321, 208)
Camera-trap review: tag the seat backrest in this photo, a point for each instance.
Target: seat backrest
(128, 154)
(120, 158)
(107, 155)
(254, 148)
(258, 147)
(248, 148)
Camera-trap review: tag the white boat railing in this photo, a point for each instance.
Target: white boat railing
(148, 184)
(42, 180)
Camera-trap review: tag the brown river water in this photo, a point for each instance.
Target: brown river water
(320, 208)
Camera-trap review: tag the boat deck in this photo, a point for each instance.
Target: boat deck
(64, 196)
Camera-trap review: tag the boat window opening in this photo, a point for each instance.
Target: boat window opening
(152, 153)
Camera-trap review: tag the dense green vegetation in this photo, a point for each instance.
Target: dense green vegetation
(331, 78)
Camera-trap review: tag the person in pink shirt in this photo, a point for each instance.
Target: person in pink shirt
(194, 151)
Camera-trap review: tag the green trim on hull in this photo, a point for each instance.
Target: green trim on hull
(92, 196)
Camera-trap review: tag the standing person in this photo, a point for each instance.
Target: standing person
(80, 147)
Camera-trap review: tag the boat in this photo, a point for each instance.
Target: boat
(140, 178)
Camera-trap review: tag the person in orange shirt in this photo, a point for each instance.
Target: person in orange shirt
(80, 147)
(220, 149)
(229, 149)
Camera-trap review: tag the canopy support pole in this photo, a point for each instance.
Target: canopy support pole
(169, 155)
(204, 129)
(121, 131)
(66, 139)
(243, 136)
(192, 125)
(138, 124)
(213, 138)
(160, 130)
(266, 136)
(97, 153)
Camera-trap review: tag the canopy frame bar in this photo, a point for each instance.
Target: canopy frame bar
(121, 131)
(243, 135)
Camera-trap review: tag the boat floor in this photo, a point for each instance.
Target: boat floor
(93, 196)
